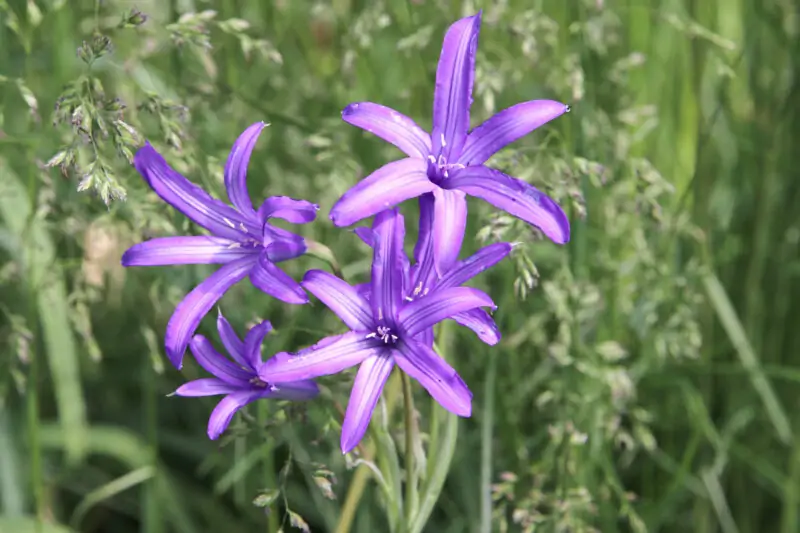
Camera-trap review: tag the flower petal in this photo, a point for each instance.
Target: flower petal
(233, 344)
(481, 323)
(367, 387)
(465, 270)
(210, 213)
(191, 310)
(196, 250)
(384, 188)
(364, 290)
(432, 372)
(449, 224)
(452, 97)
(424, 274)
(513, 196)
(440, 304)
(284, 250)
(252, 343)
(506, 127)
(366, 235)
(340, 297)
(328, 356)
(217, 364)
(236, 168)
(206, 387)
(288, 209)
(223, 413)
(294, 391)
(389, 125)
(266, 276)
(388, 265)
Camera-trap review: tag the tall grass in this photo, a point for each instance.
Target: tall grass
(647, 374)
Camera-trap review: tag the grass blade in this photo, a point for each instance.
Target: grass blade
(39, 264)
(747, 356)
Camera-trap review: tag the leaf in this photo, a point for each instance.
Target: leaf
(29, 524)
(747, 356)
(44, 276)
(109, 490)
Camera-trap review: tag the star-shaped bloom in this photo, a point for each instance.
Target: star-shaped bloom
(450, 161)
(423, 278)
(237, 379)
(384, 330)
(242, 238)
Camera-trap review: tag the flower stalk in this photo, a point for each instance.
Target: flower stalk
(412, 480)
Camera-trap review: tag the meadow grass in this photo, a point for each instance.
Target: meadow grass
(648, 372)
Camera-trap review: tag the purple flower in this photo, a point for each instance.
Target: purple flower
(423, 278)
(449, 161)
(384, 332)
(241, 239)
(238, 380)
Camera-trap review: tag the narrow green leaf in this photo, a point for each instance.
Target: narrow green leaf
(747, 356)
(44, 275)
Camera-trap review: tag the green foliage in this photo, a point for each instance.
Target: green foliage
(646, 377)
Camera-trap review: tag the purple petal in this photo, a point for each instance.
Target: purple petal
(339, 297)
(364, 290)
(191, 310)
(217, 364)
(366, 235)
(253, 341)
(383, 189)
(426, 337)
(329, 356)
(449, 224)
(424, 274)
(432, 372)
(288, 209)
(197, 250)
(513, 196)
(367, 387)
(387, 265)
(439, 305)
(277, 283)
(206, 387)
(236, 168)
(481, 323)
(233, 344)
(470, 267)
(506, 127)
(215, 216)
(294, 391)
(453, 94)
(223, 413)
(284, 250)
(390, 126)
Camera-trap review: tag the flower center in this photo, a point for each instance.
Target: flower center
(258, 382)
(384, 333)
(439, 169)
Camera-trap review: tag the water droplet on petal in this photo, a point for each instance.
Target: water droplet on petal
(567, 108)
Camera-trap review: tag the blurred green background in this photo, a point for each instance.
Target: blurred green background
(648, 375)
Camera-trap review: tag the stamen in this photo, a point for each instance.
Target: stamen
(229, 222)
(383, 333)
(258, 382)
(444, 143)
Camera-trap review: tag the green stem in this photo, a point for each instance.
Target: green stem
(486, 448)
(354, 492)
(411, 468)
(359, 481)
(270, 480)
